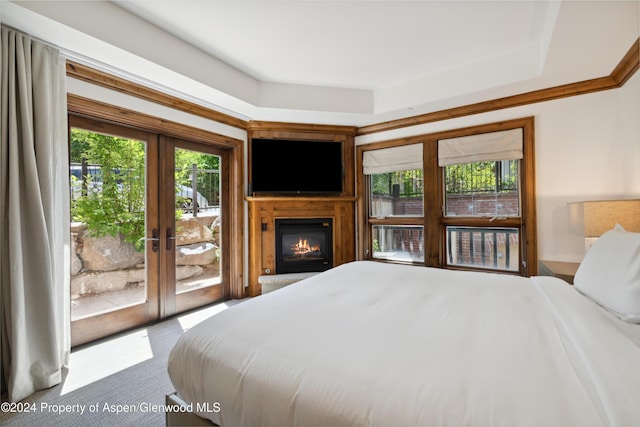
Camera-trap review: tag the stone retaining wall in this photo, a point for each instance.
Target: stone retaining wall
(103, 264)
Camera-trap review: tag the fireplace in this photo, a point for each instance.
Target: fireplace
(303, 245)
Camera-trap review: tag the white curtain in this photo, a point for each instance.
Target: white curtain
(34, 216)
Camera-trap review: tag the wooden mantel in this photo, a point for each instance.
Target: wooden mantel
(263, 212)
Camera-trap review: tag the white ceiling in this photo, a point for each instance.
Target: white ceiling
(357, 44)
(343, 62)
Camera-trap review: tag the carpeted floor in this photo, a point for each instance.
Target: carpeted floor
(121, 381)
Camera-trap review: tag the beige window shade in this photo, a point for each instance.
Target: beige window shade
(493, 146)
(393, 159)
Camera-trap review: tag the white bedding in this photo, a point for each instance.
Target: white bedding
(368, 343)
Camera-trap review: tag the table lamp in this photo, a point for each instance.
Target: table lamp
(592, 218)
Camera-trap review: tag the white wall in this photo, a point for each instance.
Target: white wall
(587, 148)
(628, 128)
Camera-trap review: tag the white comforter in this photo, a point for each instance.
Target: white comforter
(369, 343)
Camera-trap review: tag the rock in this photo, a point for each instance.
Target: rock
(108, 254)
(107, 281)
(78, 227)
(188, 271)
(76, 261)
(215, 228)
(196, 254)
(193, 230)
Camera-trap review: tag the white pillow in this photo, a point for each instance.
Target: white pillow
(610, 273)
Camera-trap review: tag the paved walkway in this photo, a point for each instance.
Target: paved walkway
(93, 304)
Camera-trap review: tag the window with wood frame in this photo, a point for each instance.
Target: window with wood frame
(476, 187)
(396, 202)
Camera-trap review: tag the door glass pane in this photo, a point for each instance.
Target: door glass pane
(198, 220)
(398, 242)
(483, 189)
(397, 194)
(107, 179)
(492, 248)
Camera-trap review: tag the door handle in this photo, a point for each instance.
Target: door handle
(171, 237)
(155, 240)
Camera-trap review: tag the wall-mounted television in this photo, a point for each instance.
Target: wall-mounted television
(286, 166)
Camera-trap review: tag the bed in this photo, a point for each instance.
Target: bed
(369, 343)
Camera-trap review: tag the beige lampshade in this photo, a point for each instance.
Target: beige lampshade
(593, 218)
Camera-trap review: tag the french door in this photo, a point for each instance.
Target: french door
(148, 230)
(193, 263)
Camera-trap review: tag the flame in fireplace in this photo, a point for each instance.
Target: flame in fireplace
(302, 248)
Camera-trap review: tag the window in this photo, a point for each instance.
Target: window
(397, 194)
(483, 247)
(398, 242)
(475, 187)
(396, 202)
(482, 189)
(488, 189)
(135, 196)
(481, 174)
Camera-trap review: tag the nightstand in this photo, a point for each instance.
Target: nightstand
(562, 270)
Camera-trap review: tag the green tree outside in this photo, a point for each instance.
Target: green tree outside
(112, 202)
(408, 183)
(477, 177)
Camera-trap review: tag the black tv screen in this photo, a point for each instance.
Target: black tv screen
(296, 166)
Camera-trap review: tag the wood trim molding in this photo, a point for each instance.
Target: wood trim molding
(623, 71)
(626, 68)
(90, 75)
(629, 64)
(103, 111)
(255, 126)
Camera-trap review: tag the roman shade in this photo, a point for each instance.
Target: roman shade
(492, 146)
(393, 159)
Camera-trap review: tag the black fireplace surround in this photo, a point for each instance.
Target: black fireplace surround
(303, 245)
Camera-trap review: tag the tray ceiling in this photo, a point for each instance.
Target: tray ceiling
(350, 62)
